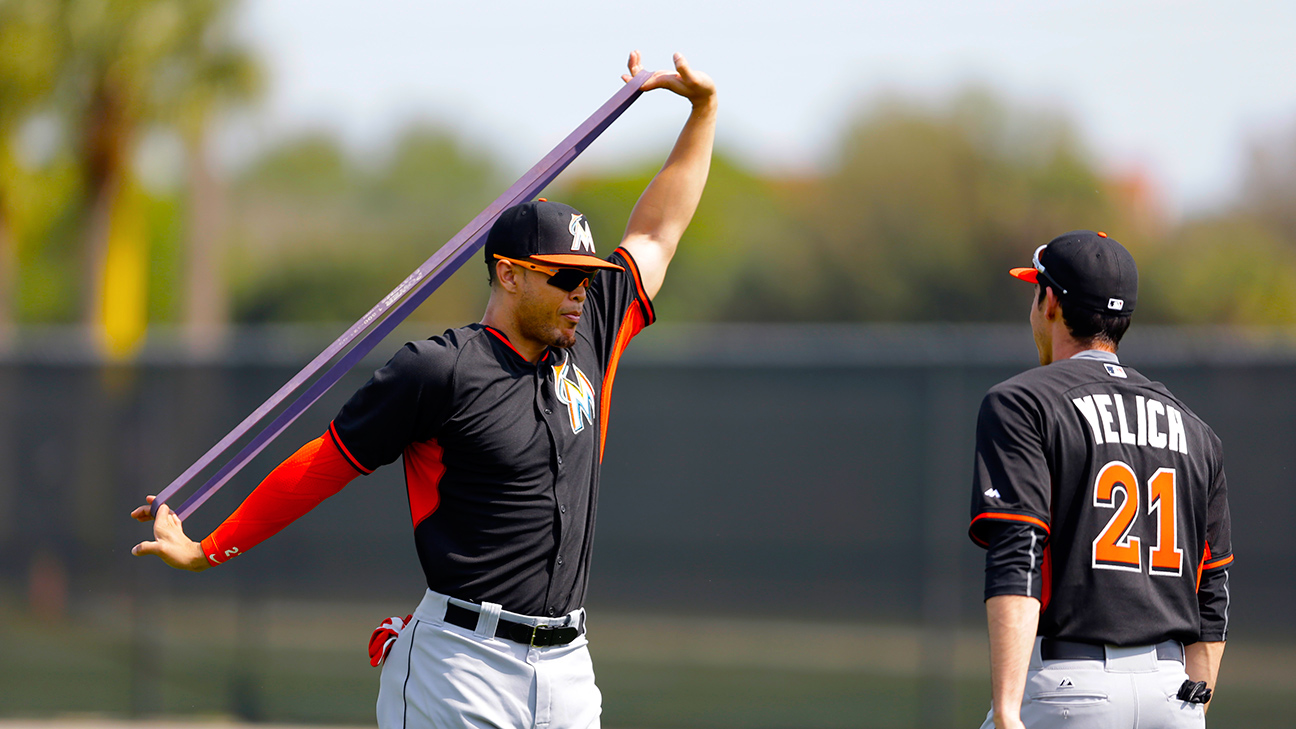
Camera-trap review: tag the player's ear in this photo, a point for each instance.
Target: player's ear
(1052, 304)
(507, 276)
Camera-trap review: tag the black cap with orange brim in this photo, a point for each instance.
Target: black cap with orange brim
(545, 232)
(1087, 269)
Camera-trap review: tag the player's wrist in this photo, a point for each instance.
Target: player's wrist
(196, 559)
(206, 550)
(705, 105)
(1007, 719)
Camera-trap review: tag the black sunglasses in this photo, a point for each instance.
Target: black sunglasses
(570, 279)
(567, 279)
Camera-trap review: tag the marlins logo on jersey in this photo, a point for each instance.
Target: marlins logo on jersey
(578, 396)
(581, 235)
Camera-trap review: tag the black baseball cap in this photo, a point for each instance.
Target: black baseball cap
(544, 232)
(1087, 269)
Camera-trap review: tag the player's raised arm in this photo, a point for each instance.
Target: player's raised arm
(667, 205)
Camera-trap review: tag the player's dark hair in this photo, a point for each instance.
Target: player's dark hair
(1089, 327)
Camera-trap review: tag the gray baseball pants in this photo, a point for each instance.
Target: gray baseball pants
(1131, 689)
(442, 676)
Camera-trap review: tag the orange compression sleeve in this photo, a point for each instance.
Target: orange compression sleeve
(315, 472)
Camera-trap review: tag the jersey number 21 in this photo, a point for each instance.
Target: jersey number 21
(1115, 548)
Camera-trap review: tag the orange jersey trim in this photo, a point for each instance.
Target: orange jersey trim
(1201, 564)
(1217, 563)
(504, 338)
(644, 300)
(635, 320)
(424, 468)
(633, 323)
(1207, 563)
(1006, 516)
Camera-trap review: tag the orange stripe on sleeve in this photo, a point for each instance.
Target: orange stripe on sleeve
(1217, 563)
(1209, 563)
(1009, 516)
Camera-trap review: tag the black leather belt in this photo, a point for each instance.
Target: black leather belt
(1052, 649)
(540, 636)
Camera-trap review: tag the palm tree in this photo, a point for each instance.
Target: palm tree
(220, 76)
(29, 58)
(136, 63)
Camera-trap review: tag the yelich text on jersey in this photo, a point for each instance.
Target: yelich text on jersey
(1152, 423)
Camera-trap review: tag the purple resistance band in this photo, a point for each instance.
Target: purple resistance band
(418, 285)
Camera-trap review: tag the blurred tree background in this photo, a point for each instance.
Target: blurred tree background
(113, 217)
(88, 88)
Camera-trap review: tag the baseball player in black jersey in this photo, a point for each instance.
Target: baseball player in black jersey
(501, 426)
(1101, 502)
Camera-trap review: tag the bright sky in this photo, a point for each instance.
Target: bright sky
(1174, 89)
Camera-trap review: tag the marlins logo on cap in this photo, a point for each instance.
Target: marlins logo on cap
(581, 235)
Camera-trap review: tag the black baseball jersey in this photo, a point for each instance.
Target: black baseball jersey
(1098, 491)
(501, 455)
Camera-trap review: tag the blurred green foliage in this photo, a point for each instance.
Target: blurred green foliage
(924, 209)
(918, 218)
(318, 236)
(915, 215)
(84, 84)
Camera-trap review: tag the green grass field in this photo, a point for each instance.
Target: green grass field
(305, 663)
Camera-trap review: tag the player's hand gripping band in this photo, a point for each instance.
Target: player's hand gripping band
(415, 289)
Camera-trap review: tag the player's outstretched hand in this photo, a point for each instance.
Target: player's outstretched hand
(693, 85)
(169, 540)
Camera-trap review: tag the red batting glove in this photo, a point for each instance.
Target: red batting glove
(384, 636)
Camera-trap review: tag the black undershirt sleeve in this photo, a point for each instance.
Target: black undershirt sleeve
(1213, 600)
(1014, 559)
(1213, 591)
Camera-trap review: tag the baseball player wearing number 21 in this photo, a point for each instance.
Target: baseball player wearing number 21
(1101, 501)
(501, 425)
